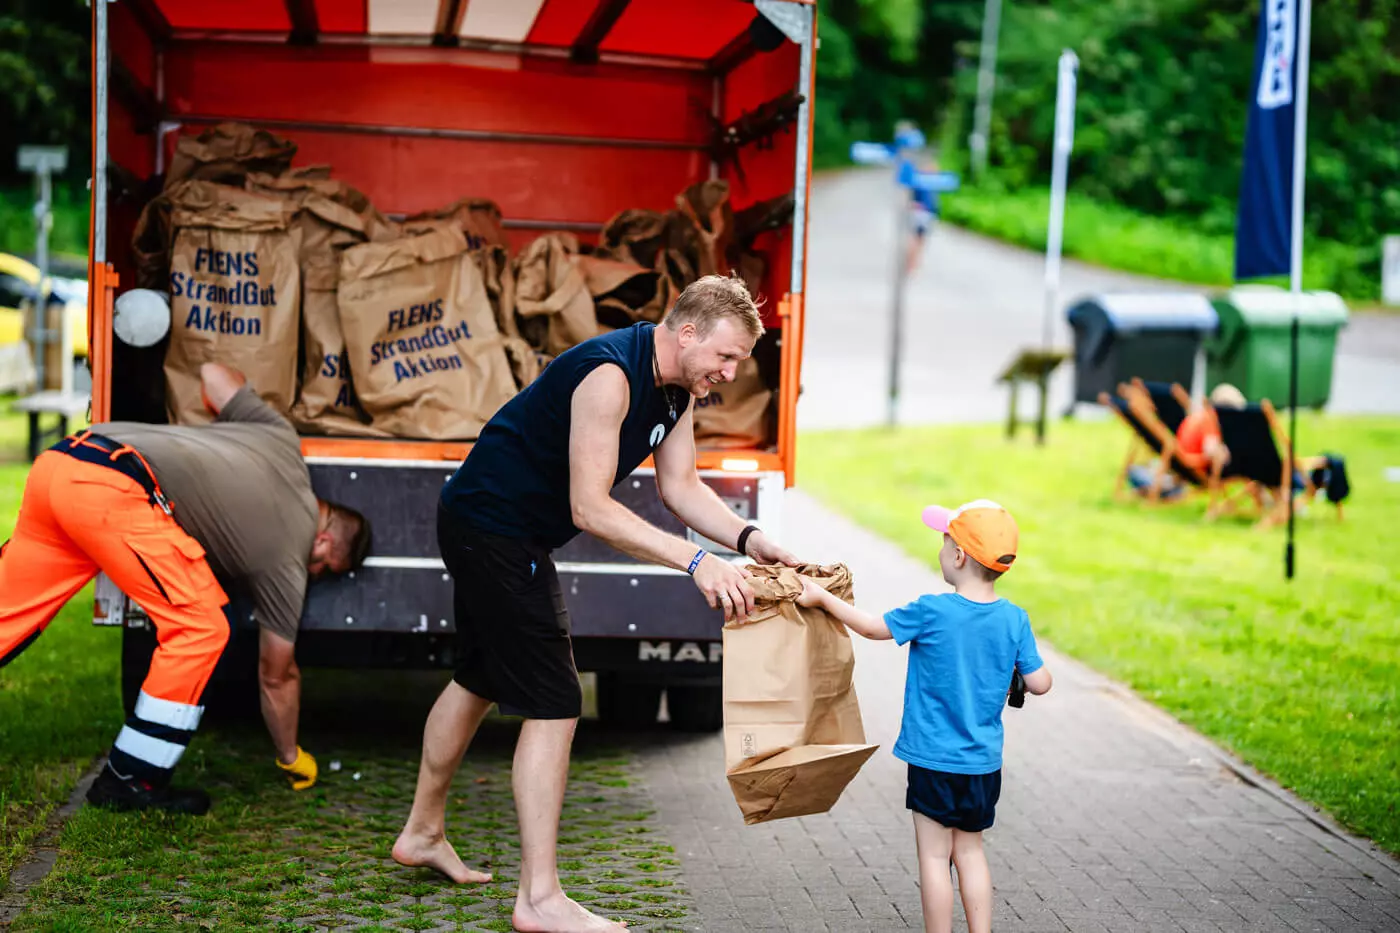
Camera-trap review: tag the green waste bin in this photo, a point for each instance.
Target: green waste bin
(1251, 346)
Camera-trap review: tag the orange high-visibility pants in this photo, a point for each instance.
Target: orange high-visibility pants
(77, 518)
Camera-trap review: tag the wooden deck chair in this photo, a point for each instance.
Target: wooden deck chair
(1134, 404)
(1170, 399)
(1261, 460)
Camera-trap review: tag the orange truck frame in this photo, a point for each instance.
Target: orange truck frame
(565, 112)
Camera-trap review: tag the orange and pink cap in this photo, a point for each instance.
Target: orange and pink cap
(982, 528)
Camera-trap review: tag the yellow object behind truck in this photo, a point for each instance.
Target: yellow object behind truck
(19, 282)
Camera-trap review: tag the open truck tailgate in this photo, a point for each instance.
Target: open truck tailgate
(565, 112)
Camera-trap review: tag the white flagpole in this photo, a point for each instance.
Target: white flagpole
(1300, 141)
(1300, 161)
(1066, 87)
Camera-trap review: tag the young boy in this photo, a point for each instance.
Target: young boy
(964, 648)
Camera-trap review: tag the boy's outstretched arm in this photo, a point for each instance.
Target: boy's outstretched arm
(848, 615)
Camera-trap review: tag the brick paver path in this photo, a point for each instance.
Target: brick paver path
(1113, 817)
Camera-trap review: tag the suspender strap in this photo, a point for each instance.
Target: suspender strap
(126, 460)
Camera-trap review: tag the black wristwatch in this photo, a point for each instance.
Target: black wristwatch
(744, 539)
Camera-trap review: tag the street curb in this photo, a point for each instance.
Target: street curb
(44, 853)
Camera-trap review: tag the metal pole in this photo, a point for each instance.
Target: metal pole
(1064, 144)
(901, 234)
(986, 87)
(99, 172)
(1300, 161)
(43, 220)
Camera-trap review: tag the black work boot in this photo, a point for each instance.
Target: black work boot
(110, 790)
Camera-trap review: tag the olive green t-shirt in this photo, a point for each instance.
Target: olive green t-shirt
(241, 489)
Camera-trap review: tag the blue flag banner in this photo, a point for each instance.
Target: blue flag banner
(1263, 230)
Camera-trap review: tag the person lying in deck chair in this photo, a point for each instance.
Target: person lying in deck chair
(1198, 435)
(1153, 411)
(1261, 459)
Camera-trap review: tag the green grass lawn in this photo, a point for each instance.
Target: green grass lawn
(1300, 679)
(60, 703)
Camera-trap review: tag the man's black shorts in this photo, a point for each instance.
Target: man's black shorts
(958, 801)
(512, 626)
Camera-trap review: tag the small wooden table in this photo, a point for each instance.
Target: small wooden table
(1031, 365)
(51, 402)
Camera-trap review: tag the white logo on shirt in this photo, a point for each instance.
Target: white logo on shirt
(658, 434)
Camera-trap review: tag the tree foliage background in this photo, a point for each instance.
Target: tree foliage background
(1163, 86)
(44, 82)
(1161, 107)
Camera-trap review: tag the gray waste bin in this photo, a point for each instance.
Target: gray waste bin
(1154, 336)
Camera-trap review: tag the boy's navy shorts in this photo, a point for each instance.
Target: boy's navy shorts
(959, 801)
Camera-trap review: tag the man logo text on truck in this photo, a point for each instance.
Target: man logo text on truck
(688, 651)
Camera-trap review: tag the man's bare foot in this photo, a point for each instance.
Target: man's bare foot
(558, 914)
(421, 852)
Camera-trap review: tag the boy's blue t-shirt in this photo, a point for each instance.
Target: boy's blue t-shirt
(961, 658)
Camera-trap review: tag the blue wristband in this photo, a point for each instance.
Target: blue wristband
(695, 561)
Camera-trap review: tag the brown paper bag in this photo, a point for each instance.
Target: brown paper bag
(150, 244)
(329, 216)
(326, 403)
(499, 276)
(422, 338)
(228, 153)
(551, 296)
(634, 235)
(329, 213)
(318, 172)
(235, 295)
(624, 292)
(735, 414)
(706, 204)
(793, 737)
(526, 363)
(480, 219)
(670, 243)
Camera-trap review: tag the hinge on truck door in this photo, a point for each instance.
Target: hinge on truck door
(794, 19)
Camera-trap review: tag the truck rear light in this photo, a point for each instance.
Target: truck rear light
(738, 466)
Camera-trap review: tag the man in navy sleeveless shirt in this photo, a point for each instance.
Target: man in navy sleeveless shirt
(541, 472)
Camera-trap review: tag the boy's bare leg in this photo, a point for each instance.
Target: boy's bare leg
(423, 841)
(974, 880)
(935, 878)
(540, 771)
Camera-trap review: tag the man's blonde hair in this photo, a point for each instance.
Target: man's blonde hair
(712, 297)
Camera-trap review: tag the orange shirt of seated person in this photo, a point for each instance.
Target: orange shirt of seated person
(1198, 436)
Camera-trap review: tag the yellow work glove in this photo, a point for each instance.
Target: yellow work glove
(301, 773)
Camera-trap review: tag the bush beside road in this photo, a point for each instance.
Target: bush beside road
(1121, 238)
